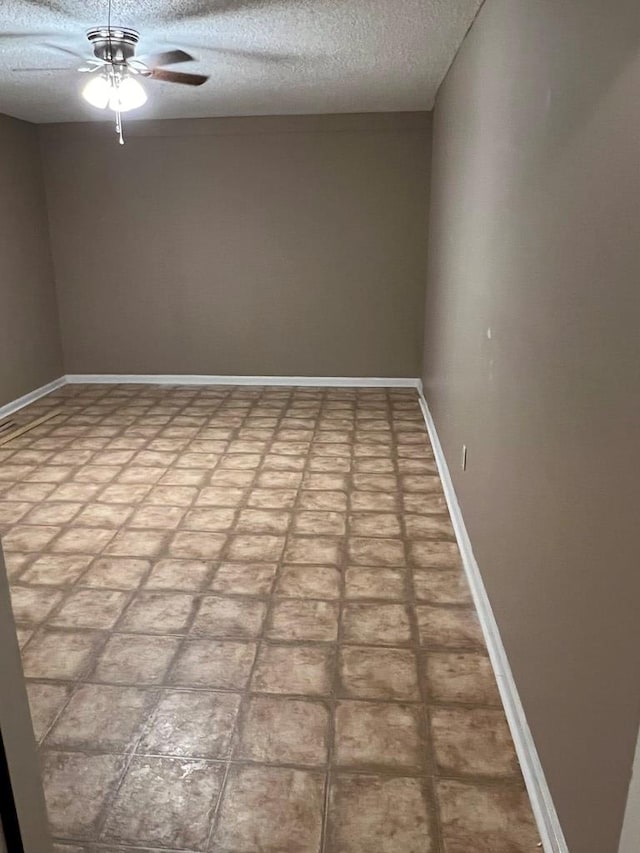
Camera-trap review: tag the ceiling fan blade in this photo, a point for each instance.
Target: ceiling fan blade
(169, 57)
(177, 77)
(22, 70)
(61, 49)
(26, 35)
(255, 55)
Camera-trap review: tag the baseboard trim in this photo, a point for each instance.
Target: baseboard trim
(31, 397)
(544, 810)
(198, 379)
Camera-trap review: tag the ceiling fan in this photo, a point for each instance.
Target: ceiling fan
(116, 69)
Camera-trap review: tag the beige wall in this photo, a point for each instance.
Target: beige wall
(290, 245)
(532, 359)
(30, 350)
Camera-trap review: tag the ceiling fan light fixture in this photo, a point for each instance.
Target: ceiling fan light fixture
(120, 94)
(127, 94)
(97, 92)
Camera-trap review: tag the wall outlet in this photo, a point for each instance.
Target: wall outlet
(463, 458)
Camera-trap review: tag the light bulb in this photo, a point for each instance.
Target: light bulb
(127, 95)
(124, 95)
(97, 92)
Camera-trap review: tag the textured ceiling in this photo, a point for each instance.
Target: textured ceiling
(265, 57)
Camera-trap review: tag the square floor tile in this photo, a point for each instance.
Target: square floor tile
(461, 677)
(308, 582)
(375, 482)
(244, 578)
(60, 654)
(135, 659)
(34, 492)
(83, 540)
(28, 537)
(320, 522)
(272, 498)
(271, 809)
(76, 788)
(157, 517)
(33, 604)
(101, 717)
(55, 570)
(158, 613)
(229, 617)
(12, 511)
(452, 627)
(263, 521)
(213, 663)
(137, 543)
(234, 479)
(255, 548)
(435, 555)
(324, 501)
(137, 474)
(97, 473)
(441, 587)
(15, 563)
(104, 515)
(192, 724)
(183, 477)
(376, 624)
(284, 731)
(51, 513)
(373, 501)
(362, 582)
(222, 496)
(376, 552)
(165, 801)
(279, 480)
(304, 619)
(90, 608)
(172, 495)
(368, 813)
(371, 673)
(210, 518)
(420, 503)
(374, 524)
(325, 481)
(305, 670)
(496, 819)
(178, 574)
(428, 527)
(378, 734)
(124, 494)
(45, 703)
(472, 741)
(319, 550)
(189, 544)
(116, 572)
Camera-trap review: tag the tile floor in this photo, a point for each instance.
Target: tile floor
(245, 628)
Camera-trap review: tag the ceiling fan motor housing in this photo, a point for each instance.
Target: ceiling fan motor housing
(113, 45)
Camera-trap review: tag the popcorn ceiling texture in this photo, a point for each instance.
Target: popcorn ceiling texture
(339, 55)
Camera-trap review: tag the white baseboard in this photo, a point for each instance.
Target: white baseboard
(31, 397)
(544, 810)
(197, 379)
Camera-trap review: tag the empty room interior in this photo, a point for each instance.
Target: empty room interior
(319, 422)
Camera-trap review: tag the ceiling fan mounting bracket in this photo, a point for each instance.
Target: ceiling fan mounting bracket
(115, 44)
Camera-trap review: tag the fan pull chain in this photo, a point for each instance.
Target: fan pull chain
(119, 127)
